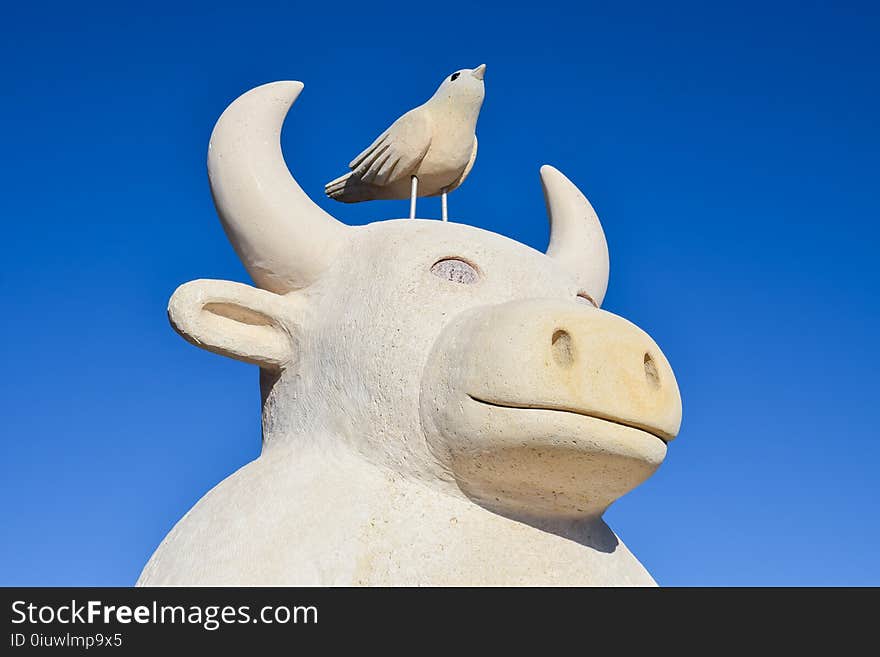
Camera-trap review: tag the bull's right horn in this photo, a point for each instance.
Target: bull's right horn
(283, 238)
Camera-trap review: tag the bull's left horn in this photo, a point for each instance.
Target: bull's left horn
(283, 238)
(577, 240)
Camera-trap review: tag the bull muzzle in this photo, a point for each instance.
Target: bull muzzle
(548, 407)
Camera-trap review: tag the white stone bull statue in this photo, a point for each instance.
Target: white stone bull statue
(441, 404)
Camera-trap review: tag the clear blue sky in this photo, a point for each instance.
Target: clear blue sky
(731, 151)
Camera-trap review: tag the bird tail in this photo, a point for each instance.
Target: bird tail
(349, 189)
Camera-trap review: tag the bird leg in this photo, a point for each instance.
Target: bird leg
(412, 197)
(443, 211)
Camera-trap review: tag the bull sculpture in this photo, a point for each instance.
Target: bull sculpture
(441, 404)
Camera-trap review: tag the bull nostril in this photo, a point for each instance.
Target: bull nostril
(651, 371)
(563, 351)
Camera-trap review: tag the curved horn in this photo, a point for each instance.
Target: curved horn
(283, 238)
(577, 240)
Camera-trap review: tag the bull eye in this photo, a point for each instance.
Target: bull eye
(454, 77)
(455, 270)
(583, 297)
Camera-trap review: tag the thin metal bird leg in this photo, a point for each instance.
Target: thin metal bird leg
(443, 212)
(412, 197)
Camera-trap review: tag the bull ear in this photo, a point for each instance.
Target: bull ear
(234, 320)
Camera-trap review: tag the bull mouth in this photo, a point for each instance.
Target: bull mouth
(571, 411)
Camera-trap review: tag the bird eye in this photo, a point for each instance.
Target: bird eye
(455, 271)
(454, 77)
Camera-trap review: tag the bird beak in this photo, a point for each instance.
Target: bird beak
(479, 72)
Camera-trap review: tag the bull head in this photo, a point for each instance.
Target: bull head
(438, 350)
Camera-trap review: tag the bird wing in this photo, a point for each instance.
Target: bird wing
(467, 168)
(396, 152)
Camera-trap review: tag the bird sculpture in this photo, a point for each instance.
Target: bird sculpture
(428, 151)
